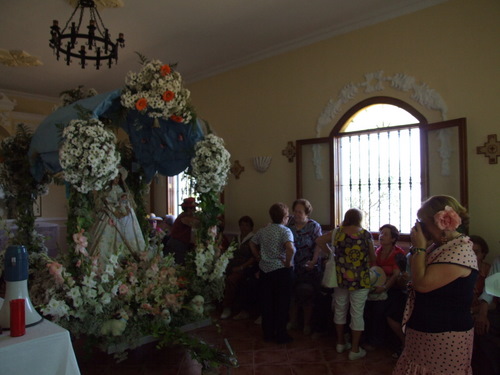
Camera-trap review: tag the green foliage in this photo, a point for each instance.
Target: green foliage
(210, 213)
(20, 187)
(207, 355)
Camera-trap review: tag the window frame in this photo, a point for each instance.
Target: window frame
(332, 141)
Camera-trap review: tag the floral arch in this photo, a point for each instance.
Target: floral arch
(126, 294)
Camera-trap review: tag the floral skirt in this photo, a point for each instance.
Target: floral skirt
(443, 353)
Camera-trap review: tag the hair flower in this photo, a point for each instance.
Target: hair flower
(447, 219)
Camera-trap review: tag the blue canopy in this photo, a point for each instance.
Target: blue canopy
(44, 147)
(163, 146)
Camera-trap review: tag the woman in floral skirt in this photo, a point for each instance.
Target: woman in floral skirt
(437, 320)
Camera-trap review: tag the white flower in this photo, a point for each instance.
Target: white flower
(88, 155)
(157, 91)
(210, 165)
(56, 308)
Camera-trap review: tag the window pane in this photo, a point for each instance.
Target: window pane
(378, 116)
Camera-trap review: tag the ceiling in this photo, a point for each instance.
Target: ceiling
(205, 37)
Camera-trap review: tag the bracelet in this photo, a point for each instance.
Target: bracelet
(416, 250)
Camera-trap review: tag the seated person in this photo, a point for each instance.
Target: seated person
(154, 230)
(240, 267)
(481, 249)
(487, 331)
(379, 298)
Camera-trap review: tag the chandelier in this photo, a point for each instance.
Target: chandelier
(95, 44)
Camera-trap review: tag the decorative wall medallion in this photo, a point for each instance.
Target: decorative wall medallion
(289, 151)
(236, 169)
(490, 149)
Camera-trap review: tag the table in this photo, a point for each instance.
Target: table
(45, 349)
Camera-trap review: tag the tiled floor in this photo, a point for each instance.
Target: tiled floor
(306, 355)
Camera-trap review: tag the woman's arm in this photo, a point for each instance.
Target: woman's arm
(323, 241)
(255, 250)
(428, 278)
(290, 251)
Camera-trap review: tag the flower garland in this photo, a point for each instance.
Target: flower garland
(210, 168)
(88, 155)
(158, 92)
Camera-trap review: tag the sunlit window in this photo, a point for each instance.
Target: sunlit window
(379, 152)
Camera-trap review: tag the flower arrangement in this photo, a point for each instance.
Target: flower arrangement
(158, 92)
(210, 264)
(88, 155)
(210, 168)
(116, 301)
(210, 165)
(447, 219)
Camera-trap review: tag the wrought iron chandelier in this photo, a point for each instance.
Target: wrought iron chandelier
(95, 45)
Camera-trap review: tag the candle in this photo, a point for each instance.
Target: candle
(17, 317)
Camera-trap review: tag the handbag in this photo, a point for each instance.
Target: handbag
(330, 275)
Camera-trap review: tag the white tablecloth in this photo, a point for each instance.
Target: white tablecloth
(45, 349)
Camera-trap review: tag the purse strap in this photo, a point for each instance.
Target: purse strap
(334, 234)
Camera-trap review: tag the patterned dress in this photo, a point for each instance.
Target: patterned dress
(352, 259)
(439, 325)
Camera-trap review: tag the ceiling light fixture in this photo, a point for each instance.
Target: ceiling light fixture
(95, 45)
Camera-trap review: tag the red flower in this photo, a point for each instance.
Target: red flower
(165, 69)
(176, 118)
(141, 104)
(168, 95)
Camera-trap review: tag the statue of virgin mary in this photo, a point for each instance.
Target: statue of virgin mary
(116, 228)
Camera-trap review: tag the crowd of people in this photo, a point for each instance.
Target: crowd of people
(432, 307)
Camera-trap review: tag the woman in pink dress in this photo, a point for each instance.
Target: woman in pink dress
(438, 322)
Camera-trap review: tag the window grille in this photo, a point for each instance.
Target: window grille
(380, 175)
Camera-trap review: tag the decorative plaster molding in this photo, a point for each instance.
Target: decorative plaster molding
(422, 93)
(16, 58)
(374, 82)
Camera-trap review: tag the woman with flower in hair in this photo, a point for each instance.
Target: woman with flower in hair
(437, 320)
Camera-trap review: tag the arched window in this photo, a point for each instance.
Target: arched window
(384, 158)
(378, 167)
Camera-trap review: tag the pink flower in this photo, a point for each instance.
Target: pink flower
(447, 219)
(55, 269)
(80, 239)
(81, 249)
(79, 263)
(123, 289)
